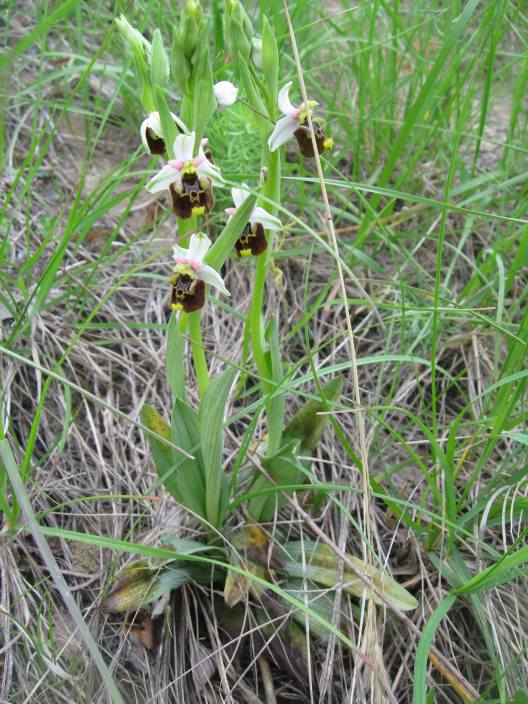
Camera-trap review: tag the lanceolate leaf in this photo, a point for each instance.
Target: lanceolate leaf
(319, 600)
(300, 437)
(181, 476)
(320, 564)
(225, 242)
(212, 411)
(186, 481)
(308, 424)
(138, 586)
(161, 453)
(284, 468)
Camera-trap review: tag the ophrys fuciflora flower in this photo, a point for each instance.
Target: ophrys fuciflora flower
(189, 179)
(191, 274)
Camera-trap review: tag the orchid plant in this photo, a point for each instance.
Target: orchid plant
(188, 448)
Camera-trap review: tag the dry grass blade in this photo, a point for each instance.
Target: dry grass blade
(360, 417)
(9, 464)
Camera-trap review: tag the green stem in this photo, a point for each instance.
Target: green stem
(198, 351)
(256, 321)
(193, 319)
(271, 190)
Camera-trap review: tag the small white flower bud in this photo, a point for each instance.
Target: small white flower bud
(225, 93)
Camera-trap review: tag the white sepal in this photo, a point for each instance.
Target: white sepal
(143, 133)
(282, 132)
(240, 194)
(184, 147)
(199, 245)
(163, 179)
(153, 122)
(283, 100)
(211, 171)
(212, 277)
(267, 220)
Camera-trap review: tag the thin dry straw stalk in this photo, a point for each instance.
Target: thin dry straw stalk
(459, 683)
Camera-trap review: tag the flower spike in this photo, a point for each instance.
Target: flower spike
(189, 179)
(151, 132)
(295, 124)
(253, 238)
(191, 274)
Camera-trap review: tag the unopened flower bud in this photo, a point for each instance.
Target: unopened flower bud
(159, 68)
(240, 15)
(141, 51)
(238, 30)
(194, 9)
(239, 44)
(191, 23)
(225, 93)
(133, 38)
(256, 52)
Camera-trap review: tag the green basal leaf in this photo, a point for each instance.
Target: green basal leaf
(317, 562)
(186, 481)
(161, 453)
(318, 600)
(212, 411)
(137, 585)
(308, 424)
(181, 476)
(285, 469)
(300, 437)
